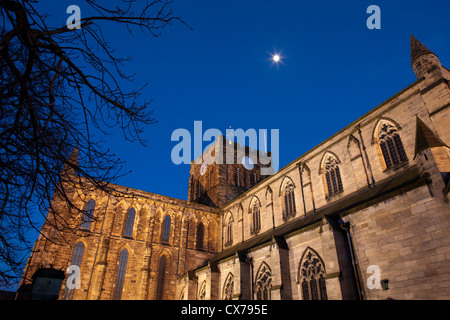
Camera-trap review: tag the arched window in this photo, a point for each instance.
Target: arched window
(228, 288)
(228, 230)
(120, 278)
(161, 277)
(255, 177)
(312, 277)
(202, 291)
(391, 145)
(71, 284)
(200, 236)
(131, 214)
(237, 177)
(195, 189)
(200, 189)
(332, 175)
(263, 283)
(256, 217)
(166, 229)
(289, 200)
(88, 214)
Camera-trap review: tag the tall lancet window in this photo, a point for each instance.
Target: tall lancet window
(200, 236)
(237, 177)
(120, 277)
(228, 238)
(129, 224)
(256, 217)
(88, 215)
(289, 200)
(161, 277)
(166, 229)
(391, 145)
(74, 280)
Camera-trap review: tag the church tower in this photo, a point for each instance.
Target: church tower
(224, 171)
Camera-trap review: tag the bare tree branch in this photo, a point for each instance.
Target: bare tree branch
(55, 84)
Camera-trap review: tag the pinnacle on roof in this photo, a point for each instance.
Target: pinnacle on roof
(418, 48)
(426, 138)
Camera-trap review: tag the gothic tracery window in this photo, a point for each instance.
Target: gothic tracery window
(312, 277)
(228, 288)
(256, 217)
(391, 145)
(289, 200)
(228, 230)
(332, 176)
(263, 283)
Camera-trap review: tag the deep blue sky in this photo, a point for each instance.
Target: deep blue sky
(334, 70)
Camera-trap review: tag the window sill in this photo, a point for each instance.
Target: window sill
(397, 166)
(335, 195)
(289, 216)
(228, 244)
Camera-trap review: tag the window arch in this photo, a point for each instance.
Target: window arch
(129, 224)
(288, 200)
(256, 216)
(200, 236)
(161, 277)
(390, 144)
(255, 177)
(88, 215)
(228, 229)
(332, 175)
(202, 291)
(195, 189)
(77, 257)
(312, 276)
(166, 229)
(237, 177)
(120, 278)
(228, 287)
(263, 282)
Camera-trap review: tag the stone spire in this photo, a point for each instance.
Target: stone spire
(418, 49)
(423, 61)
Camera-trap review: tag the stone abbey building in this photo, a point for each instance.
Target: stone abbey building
(363, 215)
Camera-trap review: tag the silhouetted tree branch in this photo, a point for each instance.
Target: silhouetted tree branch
(56, 84)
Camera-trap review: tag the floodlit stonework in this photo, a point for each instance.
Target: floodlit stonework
(363, 215)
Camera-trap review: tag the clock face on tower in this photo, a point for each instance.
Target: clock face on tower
(203, 168)
(247, 163)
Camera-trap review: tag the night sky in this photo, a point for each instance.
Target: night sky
(333, 70)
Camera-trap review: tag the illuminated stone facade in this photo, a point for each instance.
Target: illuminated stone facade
(366, 207)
